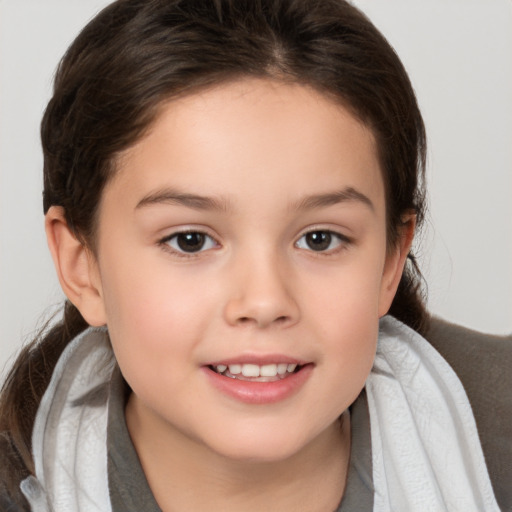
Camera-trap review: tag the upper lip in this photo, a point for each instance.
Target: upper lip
(259, 360)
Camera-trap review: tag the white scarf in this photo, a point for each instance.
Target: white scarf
(426, 452)
(69, 441)
(425, 447)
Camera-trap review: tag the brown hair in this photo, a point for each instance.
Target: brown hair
(138, 53)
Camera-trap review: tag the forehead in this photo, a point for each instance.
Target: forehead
(254, 135)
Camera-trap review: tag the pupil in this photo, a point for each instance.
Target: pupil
(190, 242)
(318, 240)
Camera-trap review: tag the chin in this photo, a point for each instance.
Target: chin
(259, 447)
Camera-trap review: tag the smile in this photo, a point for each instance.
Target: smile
(257, 373)
(259, 384)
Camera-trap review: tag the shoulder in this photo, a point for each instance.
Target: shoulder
(12, 471)
(482, 363)
(478, 359)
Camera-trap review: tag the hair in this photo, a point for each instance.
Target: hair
(137, 54)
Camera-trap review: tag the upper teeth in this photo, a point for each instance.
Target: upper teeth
(254, 370)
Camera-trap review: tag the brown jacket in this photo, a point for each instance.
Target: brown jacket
(484, 365)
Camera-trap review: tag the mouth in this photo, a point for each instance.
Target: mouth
(261, 382)
(257, 373)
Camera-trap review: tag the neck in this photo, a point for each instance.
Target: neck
(184, 475)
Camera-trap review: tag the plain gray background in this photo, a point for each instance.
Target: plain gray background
(459, 56)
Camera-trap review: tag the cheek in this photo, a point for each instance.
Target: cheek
(152, 313)
(347, 297)
(345, 309)
(353, 336)
(144, 291)
(153, 333)
(353, 353)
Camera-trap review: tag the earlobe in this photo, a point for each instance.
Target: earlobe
(76, 267)
(395, 263)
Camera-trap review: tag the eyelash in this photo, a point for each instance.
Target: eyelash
(166, 243)
(327, 236)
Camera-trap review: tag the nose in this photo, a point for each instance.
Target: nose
(261, 294)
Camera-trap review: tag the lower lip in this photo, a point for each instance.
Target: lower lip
(260, 392)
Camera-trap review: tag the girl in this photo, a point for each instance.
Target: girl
(231, 190)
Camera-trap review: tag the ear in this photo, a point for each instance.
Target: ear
(395, 262)
(76, 267)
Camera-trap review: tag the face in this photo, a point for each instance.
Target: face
(242, 268)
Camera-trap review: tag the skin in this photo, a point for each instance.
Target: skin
(275, 161)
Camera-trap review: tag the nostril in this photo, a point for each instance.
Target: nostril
(248, 320)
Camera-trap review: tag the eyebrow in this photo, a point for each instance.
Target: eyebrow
(172, 196)
(198, 202)
(347, 194)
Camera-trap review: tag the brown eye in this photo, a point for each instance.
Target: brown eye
(190, 242)
(320, 240)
